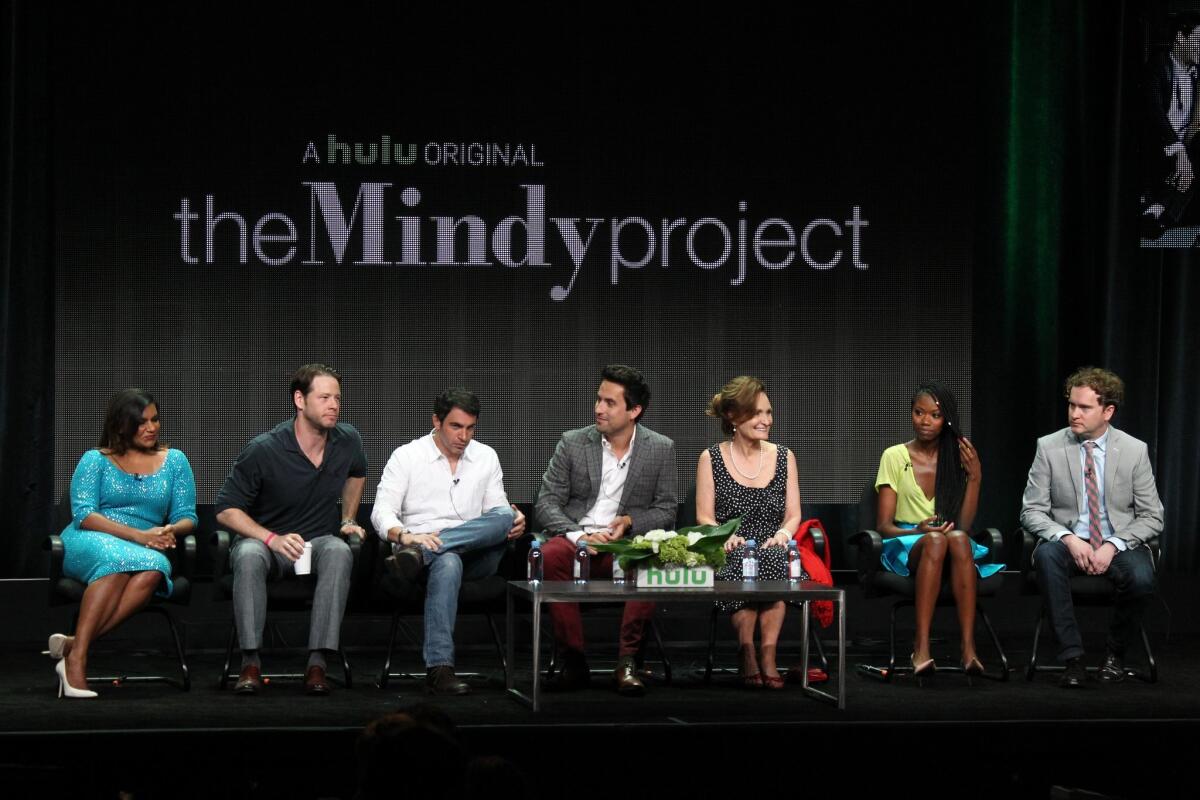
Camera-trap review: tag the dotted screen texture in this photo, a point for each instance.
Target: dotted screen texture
(838, 357)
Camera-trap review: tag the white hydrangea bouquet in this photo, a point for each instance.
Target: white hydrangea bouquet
(694, 546)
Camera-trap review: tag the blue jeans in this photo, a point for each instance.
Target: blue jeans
(472, 551)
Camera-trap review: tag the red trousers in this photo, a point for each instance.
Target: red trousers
(559, 565)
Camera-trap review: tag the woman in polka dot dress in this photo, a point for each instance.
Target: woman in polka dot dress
(751, 478)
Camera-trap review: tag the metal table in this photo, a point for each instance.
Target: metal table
(609, 592)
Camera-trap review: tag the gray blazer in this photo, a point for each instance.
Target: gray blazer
(1055, 489)
(572, 482)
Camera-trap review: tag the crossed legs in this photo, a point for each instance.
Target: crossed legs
(472, 550)
(107, 602)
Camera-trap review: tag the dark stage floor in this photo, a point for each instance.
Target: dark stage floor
(1004, 738)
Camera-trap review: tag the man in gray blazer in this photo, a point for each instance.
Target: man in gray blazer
(1091, 498)
(612, 479)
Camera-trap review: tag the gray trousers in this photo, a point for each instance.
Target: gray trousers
(254, 564)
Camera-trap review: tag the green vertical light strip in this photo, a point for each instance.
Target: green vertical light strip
(1033, 192)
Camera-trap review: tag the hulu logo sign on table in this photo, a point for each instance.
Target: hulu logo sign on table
(675, 577)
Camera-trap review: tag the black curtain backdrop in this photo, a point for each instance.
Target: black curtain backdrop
(1060, 280)
(27, 302)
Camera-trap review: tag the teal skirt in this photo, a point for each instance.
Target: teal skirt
(897, 548)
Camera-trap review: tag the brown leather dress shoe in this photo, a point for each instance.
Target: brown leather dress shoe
(249, 680)
(626, 680)
(315, 682)
(442, 680)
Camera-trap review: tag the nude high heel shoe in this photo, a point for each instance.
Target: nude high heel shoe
(66, 689)
(923, 670)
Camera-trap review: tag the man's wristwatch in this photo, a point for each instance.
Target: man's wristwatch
(348, 521)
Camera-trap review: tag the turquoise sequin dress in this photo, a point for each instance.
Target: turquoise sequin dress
(139, 501)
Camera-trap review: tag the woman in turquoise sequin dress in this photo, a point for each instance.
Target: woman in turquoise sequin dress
(928, 494)
(130, 499)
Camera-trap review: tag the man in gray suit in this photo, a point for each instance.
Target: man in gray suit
(1091, 498)
(612, 479)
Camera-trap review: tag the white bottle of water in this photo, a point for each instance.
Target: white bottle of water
(795, 568)
(583, 562)
(534, 563)
(750, 561)
(618, 573)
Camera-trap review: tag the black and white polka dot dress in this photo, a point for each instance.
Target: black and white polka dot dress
(762, 511)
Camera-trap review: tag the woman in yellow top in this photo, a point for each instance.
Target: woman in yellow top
(928, 494)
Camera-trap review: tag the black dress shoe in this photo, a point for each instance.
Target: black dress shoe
(249, 680)
(1112, 670)
(442, 680)
(1074, 675)
(626, 680)
(406, 562)
(315, 682)
(573, 674)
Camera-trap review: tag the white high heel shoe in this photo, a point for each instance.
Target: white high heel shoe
(67, 689)
(56, 646)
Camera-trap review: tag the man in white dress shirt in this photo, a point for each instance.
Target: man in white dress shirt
(441, 503)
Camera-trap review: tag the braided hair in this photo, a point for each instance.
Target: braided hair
(950, 484)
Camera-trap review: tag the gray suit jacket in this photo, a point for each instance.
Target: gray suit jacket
(572, 482)
(1056, 488)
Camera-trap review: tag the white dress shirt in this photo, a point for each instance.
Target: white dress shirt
(419, 493)
(612, 484)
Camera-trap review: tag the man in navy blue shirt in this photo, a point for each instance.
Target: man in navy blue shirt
(281, 497)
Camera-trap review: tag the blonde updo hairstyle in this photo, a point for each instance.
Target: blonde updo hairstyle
(736, 402)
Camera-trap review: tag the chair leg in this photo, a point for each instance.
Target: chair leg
(712, 645)
(497, 640)
(228, 657)
(662, 651)
(185, 678)
(1031, 669)
(1149, 657)
(820, 648)
(552, 666)
(1003, 676)
(346, 674)
(891, 667)
(386, 673)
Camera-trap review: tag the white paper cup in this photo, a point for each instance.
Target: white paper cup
(304, 562)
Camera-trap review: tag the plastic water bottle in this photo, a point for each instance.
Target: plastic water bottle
(534, 563)
(583, 562)
(795, 570)
(618, 573)
(750, 561)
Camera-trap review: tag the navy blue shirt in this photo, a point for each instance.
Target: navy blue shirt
(280, 489)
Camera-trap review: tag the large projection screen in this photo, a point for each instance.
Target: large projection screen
(783, 196)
